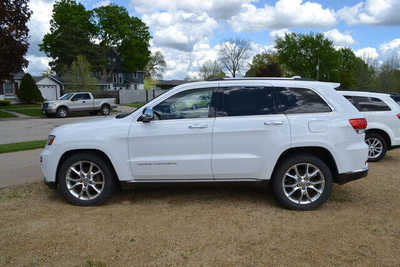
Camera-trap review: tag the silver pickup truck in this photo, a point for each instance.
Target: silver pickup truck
(78, 102)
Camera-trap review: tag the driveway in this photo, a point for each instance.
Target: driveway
(19, 130)
(19, 167)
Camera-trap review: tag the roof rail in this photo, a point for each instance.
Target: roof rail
(297, 78)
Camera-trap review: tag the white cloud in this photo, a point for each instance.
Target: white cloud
(284, 14)
(180, 30)
(278, 33)
(37, 64)
(367, 53)
(390, 46)
(214, 8)
(338, 38)
(372, 12)
(102, 3)
(39, 23)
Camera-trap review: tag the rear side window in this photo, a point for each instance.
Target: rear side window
(396, 98)
(300, 100)
(365, 103)
(246, 101)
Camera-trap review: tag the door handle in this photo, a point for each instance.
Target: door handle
(198, 126)
(273, 123)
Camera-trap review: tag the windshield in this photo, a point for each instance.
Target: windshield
(65, 97)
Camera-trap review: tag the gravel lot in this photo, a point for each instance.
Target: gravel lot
(224, 225)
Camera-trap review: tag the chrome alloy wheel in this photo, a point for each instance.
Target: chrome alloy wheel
(85, 180)
(62, 113)
(375, 147)
(303, 183)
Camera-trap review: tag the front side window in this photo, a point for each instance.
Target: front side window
(246, 101)
(81, 97)
(365, 103)
(185, 105)
(300, 100)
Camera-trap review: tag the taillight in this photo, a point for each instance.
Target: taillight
(358, 124)
(398, 115)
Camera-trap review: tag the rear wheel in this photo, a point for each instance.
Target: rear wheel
(86, 179)
(62, 112)
(302, 182)
(377, 146)
(105, 110)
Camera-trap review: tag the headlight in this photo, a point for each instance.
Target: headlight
(50, 139)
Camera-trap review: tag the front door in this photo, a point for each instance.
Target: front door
(176, 145)
(80, 102)
(248, 135)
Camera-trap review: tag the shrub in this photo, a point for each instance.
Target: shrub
(5, 102)
(28, 92)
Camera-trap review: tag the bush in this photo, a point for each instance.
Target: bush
(5, 102)
(28, 92)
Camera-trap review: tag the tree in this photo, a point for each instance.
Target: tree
(14, 34)
(211, 70)
(388, 78)
(129, 35)
(156, 66)
(308, 55)
(28, 91)
(233, 55)
(264, 65)
(76, 31)
(71, 34)
(79, 77)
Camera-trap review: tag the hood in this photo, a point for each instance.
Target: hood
(91, 125)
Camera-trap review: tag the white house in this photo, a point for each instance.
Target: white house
(50, 87)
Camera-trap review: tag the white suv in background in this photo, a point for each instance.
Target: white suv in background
(301, 135)
(382, 112)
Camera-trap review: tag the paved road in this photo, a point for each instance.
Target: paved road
(20, 167)
(19, 130)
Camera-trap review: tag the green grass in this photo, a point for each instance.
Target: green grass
(21, 106)
(13, 147)
(34, 112)
(134, 105)
(6, 115)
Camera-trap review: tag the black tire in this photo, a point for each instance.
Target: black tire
(62, 112)
(379, 138)
(280, 174)
(108, 187)
(105, 110)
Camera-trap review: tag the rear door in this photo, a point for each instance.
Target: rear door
(249, 134)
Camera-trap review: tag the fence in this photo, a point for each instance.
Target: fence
(129, 96)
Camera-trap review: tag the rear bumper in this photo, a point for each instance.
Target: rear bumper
(351, 176)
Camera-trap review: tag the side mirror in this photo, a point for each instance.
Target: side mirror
(148, 115)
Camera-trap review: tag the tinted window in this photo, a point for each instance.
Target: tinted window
(81, 97)
(185, 105)
(396, 98)
(300, 100)
(365, 103)
(245, 101)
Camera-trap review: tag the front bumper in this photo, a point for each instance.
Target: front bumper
(351, 176)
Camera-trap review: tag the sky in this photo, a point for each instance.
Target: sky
(190, 32)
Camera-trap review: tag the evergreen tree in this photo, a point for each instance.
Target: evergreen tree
(28, 92)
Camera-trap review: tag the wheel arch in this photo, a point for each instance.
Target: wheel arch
(384, 134)
(92, 151)
(322, 153)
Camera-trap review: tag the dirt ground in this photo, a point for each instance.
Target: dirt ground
(213, 225)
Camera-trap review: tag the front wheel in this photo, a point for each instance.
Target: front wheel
(302, 182)
(86, 179)
(377, 146)
(62, 112)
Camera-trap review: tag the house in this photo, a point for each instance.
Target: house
(50, 86)
(116, 78)
(8, 88)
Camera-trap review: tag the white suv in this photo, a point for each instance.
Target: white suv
(301, 135)
(382, 112)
